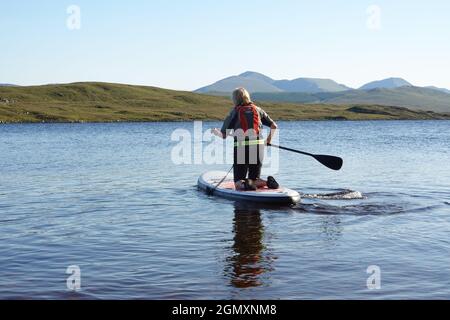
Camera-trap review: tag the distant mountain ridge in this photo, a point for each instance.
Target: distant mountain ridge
(8, 85)
(257, 82)
(388, 92)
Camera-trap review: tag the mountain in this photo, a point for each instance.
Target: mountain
(7, 85)
(256, 76)
(310, 85)
(438, 89)
(389, 83)
(107, 102)
(388, 92)
(257, 82)
(252, 81)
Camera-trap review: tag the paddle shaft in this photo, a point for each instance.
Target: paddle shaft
(292, 150)
(331, 162)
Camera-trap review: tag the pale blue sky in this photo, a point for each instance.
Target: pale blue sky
(184, 44)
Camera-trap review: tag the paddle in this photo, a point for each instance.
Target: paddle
(331, 162)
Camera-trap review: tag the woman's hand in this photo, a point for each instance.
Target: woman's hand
(217, 132)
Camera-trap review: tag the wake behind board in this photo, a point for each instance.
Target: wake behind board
(208, 181)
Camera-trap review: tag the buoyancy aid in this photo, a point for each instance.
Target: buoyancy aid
(249, 119)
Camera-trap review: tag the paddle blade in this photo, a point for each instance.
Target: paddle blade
(331, 162)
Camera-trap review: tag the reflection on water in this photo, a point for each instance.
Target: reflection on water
(250, 258)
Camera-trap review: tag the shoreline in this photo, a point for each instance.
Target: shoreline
(116, 103)
(209, 121)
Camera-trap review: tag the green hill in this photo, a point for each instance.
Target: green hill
(410, 97)
(106, 102)
(415, 98)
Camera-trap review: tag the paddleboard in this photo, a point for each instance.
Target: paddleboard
(209, 180)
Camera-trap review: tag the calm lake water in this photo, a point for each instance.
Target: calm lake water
(108, 198)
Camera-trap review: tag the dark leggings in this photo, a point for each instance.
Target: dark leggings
(248, 160)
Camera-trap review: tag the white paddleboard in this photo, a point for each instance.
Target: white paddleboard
(209, 180)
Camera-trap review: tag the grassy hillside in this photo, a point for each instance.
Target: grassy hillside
(104, 102)
(415, 98)
(410, 97)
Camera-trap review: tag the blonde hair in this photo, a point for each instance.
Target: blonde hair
(241, 97)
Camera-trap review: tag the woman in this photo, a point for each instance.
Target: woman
(245, 123)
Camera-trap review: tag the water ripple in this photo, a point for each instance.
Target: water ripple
(339, 195)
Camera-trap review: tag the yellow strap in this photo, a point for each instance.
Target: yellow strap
(248, 143)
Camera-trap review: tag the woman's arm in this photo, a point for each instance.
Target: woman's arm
(273, 130)
(267, 121)
(228, 124)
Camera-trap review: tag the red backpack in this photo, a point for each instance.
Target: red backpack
(248, 117)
